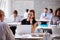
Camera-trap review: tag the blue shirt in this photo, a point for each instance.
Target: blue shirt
(47, 16)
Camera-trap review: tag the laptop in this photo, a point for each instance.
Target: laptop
(23, 29)
(43, 24)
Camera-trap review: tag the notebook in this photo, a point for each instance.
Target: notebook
(23, 29)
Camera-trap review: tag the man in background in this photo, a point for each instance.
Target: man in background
(45, 15)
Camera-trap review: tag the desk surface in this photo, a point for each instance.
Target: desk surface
(15, 23)
(49, 27)
(42, 20)
(28, 36)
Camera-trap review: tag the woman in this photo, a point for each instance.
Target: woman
(14, 18)
(30, 20)
(5, 32)
(56, 18)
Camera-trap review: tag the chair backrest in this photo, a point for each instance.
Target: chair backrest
(56, 30)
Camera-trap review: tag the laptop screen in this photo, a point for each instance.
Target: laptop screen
(23, 29)
(44, 24)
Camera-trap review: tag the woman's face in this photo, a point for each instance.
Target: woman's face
(58, 14)
(15, 14)
(2, 19)
(31, 15)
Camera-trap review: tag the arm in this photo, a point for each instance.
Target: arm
(34, 27)
(42, 16)
(54, 21)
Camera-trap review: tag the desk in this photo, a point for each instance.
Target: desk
(30, 36)
(42, 20)
(39, 21)
(49, 27)
(15, 23)
(41, 29)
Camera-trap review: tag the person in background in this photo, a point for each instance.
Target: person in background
(51, 13)
(14, 18)
(26, 13)
(30, 20)
(56, 18)
(5, 32)
(45, 15)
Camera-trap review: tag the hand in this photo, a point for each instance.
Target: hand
(28, 19)
(31, 21)
(44, 17)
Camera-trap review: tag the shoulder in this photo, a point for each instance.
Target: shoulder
(34, 20)
(54, 18)
(3, 24)
(24, 19)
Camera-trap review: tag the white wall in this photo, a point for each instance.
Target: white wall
(39, 6)
(21, 6)
(9, 5)
(5, 5)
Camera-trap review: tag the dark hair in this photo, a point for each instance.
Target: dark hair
(1, 13)
(33, 13)
(51, 10)
(15, 12)
(46, 8)
(27, 10)
(58, 9)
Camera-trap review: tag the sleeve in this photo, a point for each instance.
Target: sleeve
(41, 16)
(25, 15)
(17, 19)
(53, 21)
(23, 21)
(34, 21)
(9, 34)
